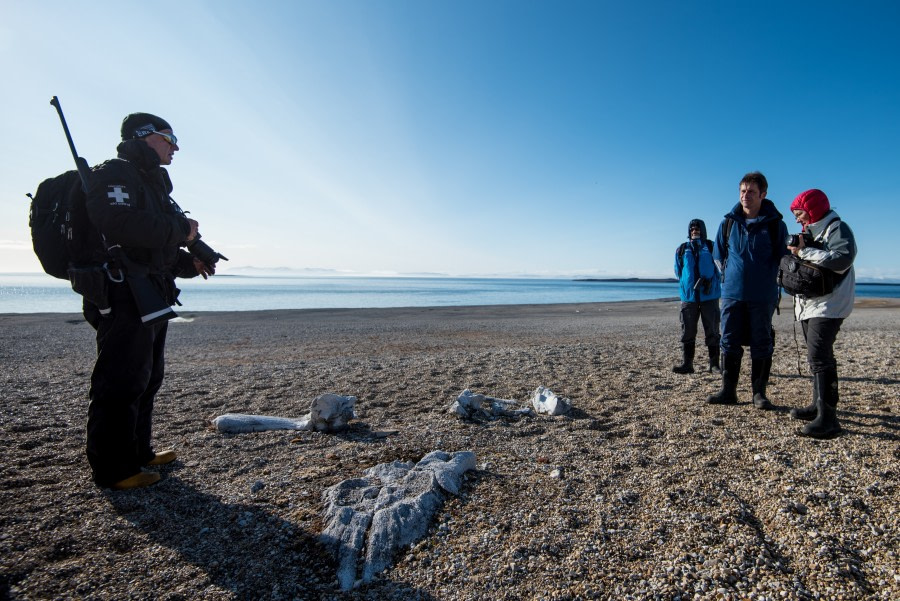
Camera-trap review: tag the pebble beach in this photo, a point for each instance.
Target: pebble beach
(642, 492)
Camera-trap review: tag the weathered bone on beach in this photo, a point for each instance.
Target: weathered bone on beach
(239, 423)
(328, 413)
(389, 508)
(470, 405)
(545, 401)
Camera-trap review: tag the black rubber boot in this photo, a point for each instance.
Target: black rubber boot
(714, 360)
(731, 369)
(687, 362)
(809, 412)
(826, 424)
(759, 376)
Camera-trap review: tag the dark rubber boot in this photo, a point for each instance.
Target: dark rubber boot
(809, 412)
(826, 424)
(759, 376)
(687, 362)
(714, 360)
(731, 369)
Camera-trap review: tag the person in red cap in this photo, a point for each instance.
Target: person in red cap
(829, 243)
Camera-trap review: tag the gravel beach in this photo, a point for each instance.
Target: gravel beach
(642, 492)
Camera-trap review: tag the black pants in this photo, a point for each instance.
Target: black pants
(820, 334)
(127, 375)
(708, 311)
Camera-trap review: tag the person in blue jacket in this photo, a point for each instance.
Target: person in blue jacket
(748, 253)
(700, 289)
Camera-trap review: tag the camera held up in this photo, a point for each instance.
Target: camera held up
(204, 252)
(794, 240)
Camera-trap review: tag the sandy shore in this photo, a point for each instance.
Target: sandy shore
(660, 495)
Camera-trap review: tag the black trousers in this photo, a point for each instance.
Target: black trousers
(820, 334)
(708, 311)
(127, 375)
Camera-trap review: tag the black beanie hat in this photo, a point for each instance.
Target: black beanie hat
(138, 125)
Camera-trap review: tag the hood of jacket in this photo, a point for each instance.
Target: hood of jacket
(767, 212)
(139, 154)
(701, 224)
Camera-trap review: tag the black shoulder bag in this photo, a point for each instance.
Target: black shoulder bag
(802, 278)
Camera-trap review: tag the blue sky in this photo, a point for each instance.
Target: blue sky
(466, 137)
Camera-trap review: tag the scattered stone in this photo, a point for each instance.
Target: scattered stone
(328, 413)
(388, 509)
(546, 402)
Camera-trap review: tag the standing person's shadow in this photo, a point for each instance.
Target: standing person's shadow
(241, 548)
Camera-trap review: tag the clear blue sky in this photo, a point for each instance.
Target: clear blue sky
(465, 137)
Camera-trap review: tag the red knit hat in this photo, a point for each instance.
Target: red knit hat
(813, 202)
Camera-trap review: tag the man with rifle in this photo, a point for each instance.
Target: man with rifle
(143, 231)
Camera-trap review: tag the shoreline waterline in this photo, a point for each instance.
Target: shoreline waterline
(637, 307)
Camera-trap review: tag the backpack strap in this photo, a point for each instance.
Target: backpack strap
(726, 233)
(683, 247)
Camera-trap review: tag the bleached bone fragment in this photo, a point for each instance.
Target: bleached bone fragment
(469, 405)
(388, 509)
(331, 412)
(547, 402)
(328, 413)
(239, 423)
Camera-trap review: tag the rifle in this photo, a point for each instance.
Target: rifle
(84, 171)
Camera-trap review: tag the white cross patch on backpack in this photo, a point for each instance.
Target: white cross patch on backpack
(118, 194)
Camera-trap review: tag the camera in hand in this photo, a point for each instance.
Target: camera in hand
(808, 241)
(703, 284)
(203, 251)
(794, 239)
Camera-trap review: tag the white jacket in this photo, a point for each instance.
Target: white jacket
(837, 254)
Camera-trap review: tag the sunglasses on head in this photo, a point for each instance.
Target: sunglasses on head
(170, 138)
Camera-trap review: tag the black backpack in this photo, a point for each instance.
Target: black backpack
(61, 233)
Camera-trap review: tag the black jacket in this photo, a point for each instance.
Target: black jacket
(129, 205)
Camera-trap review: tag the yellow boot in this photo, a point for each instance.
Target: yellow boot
(163, 457)
(139, 480)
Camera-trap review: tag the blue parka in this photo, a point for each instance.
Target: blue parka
(750, 263)
(694, 263)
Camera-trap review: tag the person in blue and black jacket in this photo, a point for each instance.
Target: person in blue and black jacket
(751, 241)
(700, 290)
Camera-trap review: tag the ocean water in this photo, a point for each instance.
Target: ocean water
(40, 293)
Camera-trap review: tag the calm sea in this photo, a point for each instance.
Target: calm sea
(40, 293)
